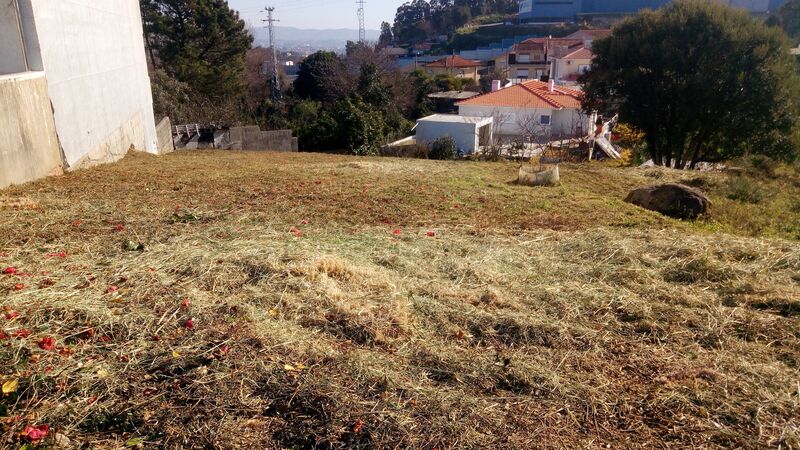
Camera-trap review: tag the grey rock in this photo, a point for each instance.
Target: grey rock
(673, 200)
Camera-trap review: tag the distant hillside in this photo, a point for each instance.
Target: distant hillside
(290, 37)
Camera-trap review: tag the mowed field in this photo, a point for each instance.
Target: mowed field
(281, 301)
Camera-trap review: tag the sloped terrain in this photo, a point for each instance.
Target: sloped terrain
(251, 300)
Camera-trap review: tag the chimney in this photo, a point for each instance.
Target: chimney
(552, 85)
(496, 85)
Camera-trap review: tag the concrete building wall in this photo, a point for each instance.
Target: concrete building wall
(94, 59)
(28, 145)
(12, 55)
(252, 138)
(164, 133)
(519, 121)
(465, 134)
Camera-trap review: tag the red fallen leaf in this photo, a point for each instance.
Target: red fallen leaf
(19, 287)
(76, 223)
(61, 255)
(48, 369)
(359, 425)
(457, 206)
(10, 271)
(304, 222)
(224, 350)
(112, 289)
(47, 343)
(119, 227)
(431, 234)
(296, 232)
(386, 221)
(91, 400)
(35, 433)
(106, 338)
(397, 232)
(185, 303)
(65, 351)
(151, 270)
(3, 336)
(21, 334)
(4, 255)
(189, 324)
(11, 314)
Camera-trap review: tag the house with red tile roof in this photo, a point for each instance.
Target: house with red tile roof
(533, 110)
(567, 69)
(454, 65)
(532, 59)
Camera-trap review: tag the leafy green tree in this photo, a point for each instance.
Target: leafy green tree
(198, 42)
(387, 37)
(701, 80)
(424, 85)
(361, 126)
(315, 128)
(321, 77)
(788, 18)
(371, 87)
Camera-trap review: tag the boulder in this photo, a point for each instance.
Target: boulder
(673, 200)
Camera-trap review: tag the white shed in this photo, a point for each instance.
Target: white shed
(470, 133)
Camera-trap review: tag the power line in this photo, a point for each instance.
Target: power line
(275, 88)
(362, 29)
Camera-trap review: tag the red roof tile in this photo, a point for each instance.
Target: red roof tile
(531, 94)
(579, 53)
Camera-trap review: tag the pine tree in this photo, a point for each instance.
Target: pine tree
(202, 43)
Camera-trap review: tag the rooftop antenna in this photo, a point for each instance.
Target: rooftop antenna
(275, 89)
(362, 30)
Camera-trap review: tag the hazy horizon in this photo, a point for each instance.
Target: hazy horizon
(317, 14)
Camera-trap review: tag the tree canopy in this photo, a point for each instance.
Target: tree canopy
(198, 42)
(788, 18)
(416, 20)
(701, 80)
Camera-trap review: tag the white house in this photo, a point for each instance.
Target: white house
(534, 110)
(74, 88)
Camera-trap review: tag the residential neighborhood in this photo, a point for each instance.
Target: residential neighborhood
(405, 224)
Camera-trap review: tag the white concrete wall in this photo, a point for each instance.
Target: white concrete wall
(516, 121)
(28, 143)
(94, 59)
(465, 134)
(12, 55)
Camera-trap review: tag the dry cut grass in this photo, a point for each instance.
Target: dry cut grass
(233, 300)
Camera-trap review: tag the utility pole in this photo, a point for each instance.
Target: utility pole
(362, 30)
(275, 87)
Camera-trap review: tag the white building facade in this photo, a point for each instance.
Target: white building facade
(84, 61)
(533, 110)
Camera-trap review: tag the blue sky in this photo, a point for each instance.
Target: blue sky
(318, 14)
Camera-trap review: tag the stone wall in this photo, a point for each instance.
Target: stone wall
(164, 133)
(29, 146)
(252, 138)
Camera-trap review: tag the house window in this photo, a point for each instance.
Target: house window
(522, 74)
(524, 58)
(544, 120)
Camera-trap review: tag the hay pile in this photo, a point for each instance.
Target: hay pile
(193, 316)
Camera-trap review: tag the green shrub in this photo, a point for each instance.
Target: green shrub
(443, 147)
(761, 165)
(745, 191)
